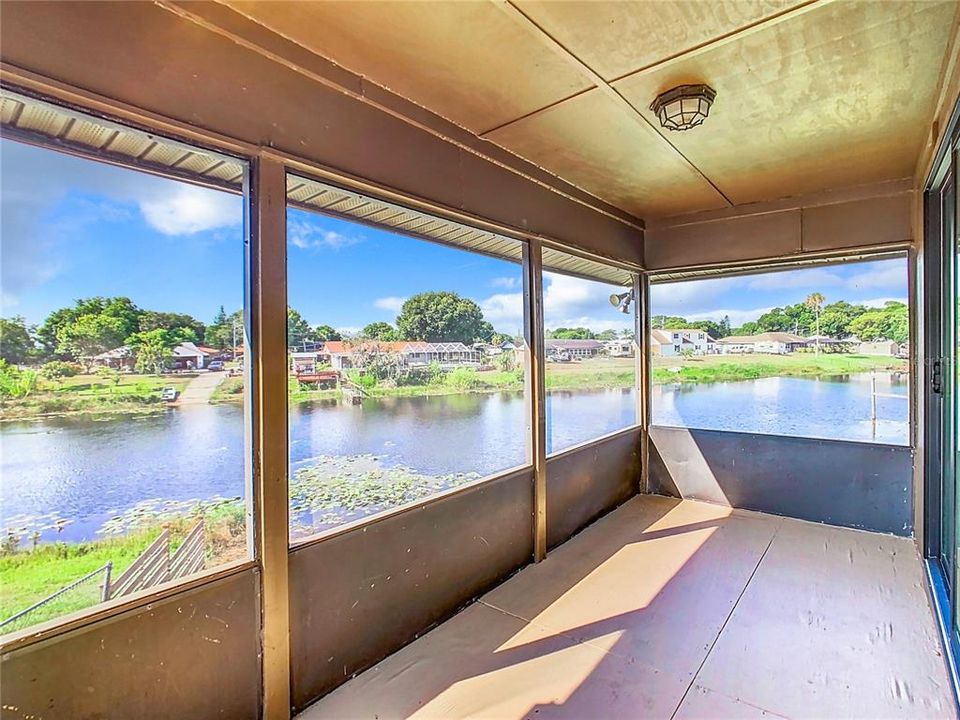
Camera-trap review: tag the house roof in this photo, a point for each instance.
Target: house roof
(123, 351)
(780, 337)
(661, 337)
(574, 344)
(398, 346)
(187, 349)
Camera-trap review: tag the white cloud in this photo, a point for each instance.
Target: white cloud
(35, 225)
(567, 302)
(187, 209)
(890, 275)
(689, 298)
(737, 317)
(805, 278)
(880, 302)
(504, 310)
(391, 303)
(305, 235)
(506, 282)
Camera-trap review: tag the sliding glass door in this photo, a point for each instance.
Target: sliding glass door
(942, 428)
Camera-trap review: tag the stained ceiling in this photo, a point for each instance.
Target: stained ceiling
(810, 95)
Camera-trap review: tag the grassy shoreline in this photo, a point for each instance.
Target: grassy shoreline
(141, 394)
(28, 575)
(93, 395)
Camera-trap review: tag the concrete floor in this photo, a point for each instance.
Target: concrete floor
(680, 609)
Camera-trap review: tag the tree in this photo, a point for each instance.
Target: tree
(607, 335)
(814, 301)
(577, 333)
(442, 316)
(836, 318)
(325, 332)
(891, 322)
(16, 341)
(90, 335)
(713, 329)
(224, 330)
(151, 320)
(382, 331)
(660, 322)
(299, 331)
(91, 326)
(154, 348)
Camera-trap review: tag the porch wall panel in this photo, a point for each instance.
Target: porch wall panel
(191, 655)
(852, 484)
(587, 482)
(360, 596)
(862, 217)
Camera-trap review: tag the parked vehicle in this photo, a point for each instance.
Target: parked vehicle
(169, 394)
(215, 365)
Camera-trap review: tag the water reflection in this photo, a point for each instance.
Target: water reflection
(89, 470)
(833, 407)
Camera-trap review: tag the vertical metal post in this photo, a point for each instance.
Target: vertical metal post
(873, 404)
(105, 595)
(267, 334)
(533, 334)
(644, 387)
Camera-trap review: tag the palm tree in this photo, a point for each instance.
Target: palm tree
(815, 301)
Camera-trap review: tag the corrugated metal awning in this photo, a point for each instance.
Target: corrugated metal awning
(329, 199)
(760, 267)
(54, 126)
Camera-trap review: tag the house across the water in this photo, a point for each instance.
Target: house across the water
(879, 347)
(344, 355)
(770, 343)
(185, 356)
(574, 349)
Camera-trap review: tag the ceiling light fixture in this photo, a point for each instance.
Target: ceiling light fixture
(684, 107)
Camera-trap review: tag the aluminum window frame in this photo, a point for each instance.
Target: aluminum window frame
(898, 251)
(81, 618)
(263, 166)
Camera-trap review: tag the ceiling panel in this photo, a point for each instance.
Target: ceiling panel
(593, 143)
(839, 95)
(615, 38)
(466, 61)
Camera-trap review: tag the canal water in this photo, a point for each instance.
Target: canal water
(89, 470)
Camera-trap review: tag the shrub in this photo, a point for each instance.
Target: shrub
(462, 378)
(56, 369)
(108, 374)
(364, 380)
(16, 383)
(420, 376)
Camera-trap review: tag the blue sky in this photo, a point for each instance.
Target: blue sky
(72, 228)
(747, 297)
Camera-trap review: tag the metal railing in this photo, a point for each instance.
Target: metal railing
(154, 566)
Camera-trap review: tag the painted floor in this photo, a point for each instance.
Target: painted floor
(680, 609)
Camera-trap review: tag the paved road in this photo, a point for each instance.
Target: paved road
(201, 388)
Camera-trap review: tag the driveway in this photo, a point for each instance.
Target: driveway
(201, 388)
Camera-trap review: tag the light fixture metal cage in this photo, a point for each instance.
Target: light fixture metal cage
(684, 107)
